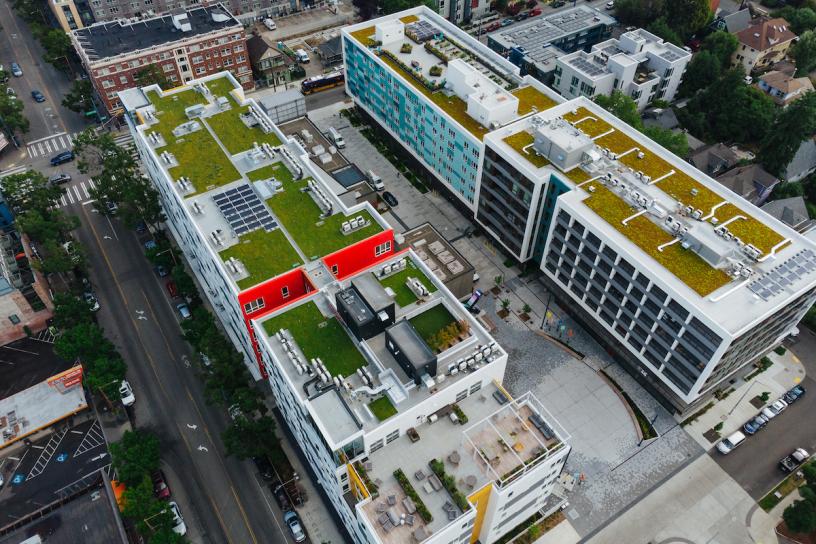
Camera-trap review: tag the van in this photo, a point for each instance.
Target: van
(302, 56)
(270, 24)
(374, 180)
(336, 138)
(727, 445)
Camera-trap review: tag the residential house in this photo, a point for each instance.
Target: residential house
(762, 43)
(270, 66)
(714, 159)
(782, 88)
(751, 182)
(660, 117)
(803, 163)
(791, 211)
(330, 52)
(732, 22)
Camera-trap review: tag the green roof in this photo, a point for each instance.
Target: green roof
(430, 322)
(588, 122)
(202, 160)
(519, 141)
(277, 170)
(531, 99)
(264, 254)
(221, 86)
(689, 267)
(397, 284)
(319, 337)
(235, 135)
(382, 408)
(315, 236)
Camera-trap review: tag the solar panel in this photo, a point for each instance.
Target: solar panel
(243, 210)
(784, 275)
(587, 67)
(421, 31)
(670, 56)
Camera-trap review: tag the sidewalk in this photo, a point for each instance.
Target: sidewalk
(735, 410)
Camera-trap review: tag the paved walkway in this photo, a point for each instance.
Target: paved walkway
(736, 409)
(563, 533)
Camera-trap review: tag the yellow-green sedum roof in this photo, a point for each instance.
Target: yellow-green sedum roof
(519, 141)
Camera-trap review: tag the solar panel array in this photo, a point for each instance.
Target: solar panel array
(243, 210)
(670, 56)
(592, 70)
(783, 275)
(422, 31)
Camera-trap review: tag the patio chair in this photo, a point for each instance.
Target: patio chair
(452, 515)
(392, 500)
(409, 520)
(381, 507)
(419, 475)
(387, 526)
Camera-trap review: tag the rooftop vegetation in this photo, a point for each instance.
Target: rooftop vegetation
(577, 175)
(276, 170)
(364, 36)
(519, 141)
(265, 255)
(397, 284)
(750, 230)
(221, 87)
(319, 336)
(382, 408)
(651, 165)
(430, 322)
(690, 268)
(170, 110)
(315, 236)
(235, 135)
(616, 142)
(202, 160)
(531, 98)
(589, 123)
(408, 19)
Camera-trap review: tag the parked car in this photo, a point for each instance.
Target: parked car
(727, 445)
(92, 301)
(59, 179)
(184, 311)
(10, 91)
(791, 462)
(794, 394)
(521, 16)
(150, 244)
(390, 199)
(62, 158)
(270, 24)
(280, 495)
(161, 270)
(178, 522)
(507, 22)
(126, 392)
(112, 207)
(160, 488)
(235, 412)
(264, 468)
(293, 522)
(535, 12)
(172, 289)
(558, 4)
(37, 96)
(16, 71)
(609, 6)
(493, 26)
(755, 424)
(374, 180)
(204, 360)
(774, 409)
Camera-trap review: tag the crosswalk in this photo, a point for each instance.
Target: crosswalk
(78, 193)
(52, 145)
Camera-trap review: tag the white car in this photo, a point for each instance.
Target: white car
(270, 24)
(774, 409)
(126, 392)
(178, 522)
(610, 6)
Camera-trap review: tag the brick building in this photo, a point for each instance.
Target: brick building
(184, 46)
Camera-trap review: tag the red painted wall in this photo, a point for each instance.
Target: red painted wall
(299, 285)
(359, 256)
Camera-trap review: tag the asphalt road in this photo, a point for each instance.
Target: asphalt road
(227, 502)
(754, 465)
(17, 44)
(326, 98)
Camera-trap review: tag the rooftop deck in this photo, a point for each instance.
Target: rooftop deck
(226, 145)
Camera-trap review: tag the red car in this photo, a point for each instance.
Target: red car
(535, 11)
(172, 289)
(160, 488)
(493, 26)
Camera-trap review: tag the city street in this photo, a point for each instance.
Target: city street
(48, 118)
(224, 501)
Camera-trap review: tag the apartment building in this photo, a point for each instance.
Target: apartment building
(534, 45)
(762, 44)
(375, 365)
(463, 11)
(69, 14)
(639, 64)
(437, 91)
(192, 44)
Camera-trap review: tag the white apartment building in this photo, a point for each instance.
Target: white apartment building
(639, 64)
(375, 365)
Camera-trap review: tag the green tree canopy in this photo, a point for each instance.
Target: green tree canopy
(57, 46)
(135, 456)
(105, 374)
(722, 45)
(687, 16)
(787, 190)
(11, 110)
(793, 125)
(676, 142)
(80, 96)
(660, 27)
(70, 311)
(150, 75)
(40, 228)
(700, 72)
(84, 342)
(30, 190)
(804, 52)
(800, 19)
(622, 107)
(639, 12)
(800, 517)
(141, 506)
(184, 283)
(55, 260)
(250, 438)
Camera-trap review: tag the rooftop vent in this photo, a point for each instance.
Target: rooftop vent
(182, 22)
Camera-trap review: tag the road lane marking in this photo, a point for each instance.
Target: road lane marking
(31, 152)
(46, 138)
(62, 201)
(243, 513)
(76, 190)
(48, 146)
(40, 148)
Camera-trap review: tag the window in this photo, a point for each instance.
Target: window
(200, 70)
(334, 269)
(382, 249)
(392, 436)
(15, 319)
(285, 291)
(167, 67)
(107, 84)
(254, 305)
(123, 80)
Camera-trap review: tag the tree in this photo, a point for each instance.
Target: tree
(135, 456)
(622, 107)
(141, 506)
(80, 96)
(800, 517)
(11, 111)
(722, 45)
(687, 16)
(639, 12)
(676, 142)
(57, 47)
(704, 68)
(56, 260)
(787, 190)
(104, 374)
(809, 470)
(30, 190)
(793, 125)
(250, 438)
(150, 75)
(804, 52)
(55, 226)
(84, 342)
(70, 311)
(660, 27)
(800, 19)
(184, 283)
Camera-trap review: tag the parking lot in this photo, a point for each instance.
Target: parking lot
(37, 475)
(28, 361)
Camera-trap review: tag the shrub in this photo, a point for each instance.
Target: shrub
(406, 48)
(780, 350)
(435, 71)
(718, 427)
(765, 396)
(696, 415)
(460, 414)
(438, 468)
(422, 510)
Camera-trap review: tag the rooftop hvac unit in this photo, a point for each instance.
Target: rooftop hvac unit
(641, 155)
(591, 188)
(685, 245)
